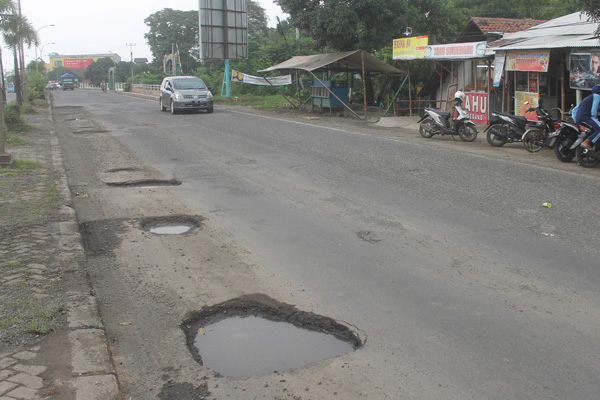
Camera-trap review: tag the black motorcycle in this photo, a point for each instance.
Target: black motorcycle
(507, 128)
(588, 157)
(568, 138)
(542, 134)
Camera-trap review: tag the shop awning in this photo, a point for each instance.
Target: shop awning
(348, 61)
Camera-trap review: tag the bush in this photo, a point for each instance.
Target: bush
(12, 114)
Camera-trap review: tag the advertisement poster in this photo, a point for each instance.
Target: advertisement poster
(77, 63)
(499, 67)
(521, 98)
(237, 76)
(409, 48)
(477, 104)
(528, 60)
(584, 70)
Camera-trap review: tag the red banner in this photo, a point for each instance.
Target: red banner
(77, 63)
(477, 104)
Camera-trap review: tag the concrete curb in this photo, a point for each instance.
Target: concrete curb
(92, 373)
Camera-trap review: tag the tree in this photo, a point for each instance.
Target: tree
(97, 71)
(172, 29)
(592, 9)
(16, 29)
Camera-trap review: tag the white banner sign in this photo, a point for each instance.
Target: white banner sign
(237, 76)
(456, 50)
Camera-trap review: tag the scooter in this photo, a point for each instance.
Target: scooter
(507, 128)
(437, 122)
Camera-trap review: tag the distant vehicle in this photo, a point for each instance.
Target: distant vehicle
(185, 93)
(67, 81)
(10, 88)
(52, 85)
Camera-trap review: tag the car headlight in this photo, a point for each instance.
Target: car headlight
(177, 96)
(209, 95)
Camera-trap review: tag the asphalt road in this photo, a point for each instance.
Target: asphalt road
(441, 256)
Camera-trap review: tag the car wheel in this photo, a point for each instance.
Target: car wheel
(172, 106)
(162, 106)
(210, 110)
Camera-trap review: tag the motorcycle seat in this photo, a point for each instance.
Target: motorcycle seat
(517, 117)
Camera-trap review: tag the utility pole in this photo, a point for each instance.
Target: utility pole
(131, 52)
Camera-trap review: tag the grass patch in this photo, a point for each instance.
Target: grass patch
(14, 140)
(6, 323)
(19, 167)
(265, 103)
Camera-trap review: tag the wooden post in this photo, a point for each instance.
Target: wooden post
(362, 56)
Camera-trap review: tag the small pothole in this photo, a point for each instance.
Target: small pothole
(256, 335)
(171, 225)
(146, 183)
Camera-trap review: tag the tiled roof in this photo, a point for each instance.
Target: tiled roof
(504, 25)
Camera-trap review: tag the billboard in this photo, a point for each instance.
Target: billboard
(77, 63)
(223, 29)
(409, 48)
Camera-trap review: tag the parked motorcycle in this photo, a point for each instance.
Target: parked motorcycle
(568, 138)
(507, 128)
(542, 134)
(437, 122)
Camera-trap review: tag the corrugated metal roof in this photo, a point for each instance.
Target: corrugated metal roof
(346, 61)
(572, 30)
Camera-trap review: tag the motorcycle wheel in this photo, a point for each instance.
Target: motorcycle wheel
(562, 149)
(495, 136)
(468, 133)
(533, 140)
(585, 159)
(426, 128)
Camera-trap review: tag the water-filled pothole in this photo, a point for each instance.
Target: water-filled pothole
(256, 335)
(171, 225)
(146, 183)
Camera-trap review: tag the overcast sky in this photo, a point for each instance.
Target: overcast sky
(85, 27)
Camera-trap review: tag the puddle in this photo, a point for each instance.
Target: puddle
(171, 229)
(256, 335)
(244, 346)
(171, 225)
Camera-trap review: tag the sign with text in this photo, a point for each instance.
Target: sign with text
(528, 60)
(478, 105)
(456, 51)
(77, 63)
(410, 48)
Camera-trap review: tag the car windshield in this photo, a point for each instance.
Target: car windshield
(188, 84)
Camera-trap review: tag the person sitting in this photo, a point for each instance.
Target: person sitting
(587, 111)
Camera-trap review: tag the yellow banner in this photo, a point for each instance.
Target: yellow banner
(410, 48)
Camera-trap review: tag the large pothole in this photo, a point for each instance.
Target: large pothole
(256, 335)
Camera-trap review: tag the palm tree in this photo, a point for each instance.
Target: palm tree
(16, 29)
(7, 8)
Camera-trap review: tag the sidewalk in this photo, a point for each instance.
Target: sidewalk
(43, 284)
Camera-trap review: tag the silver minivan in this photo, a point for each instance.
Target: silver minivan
(185, 93)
